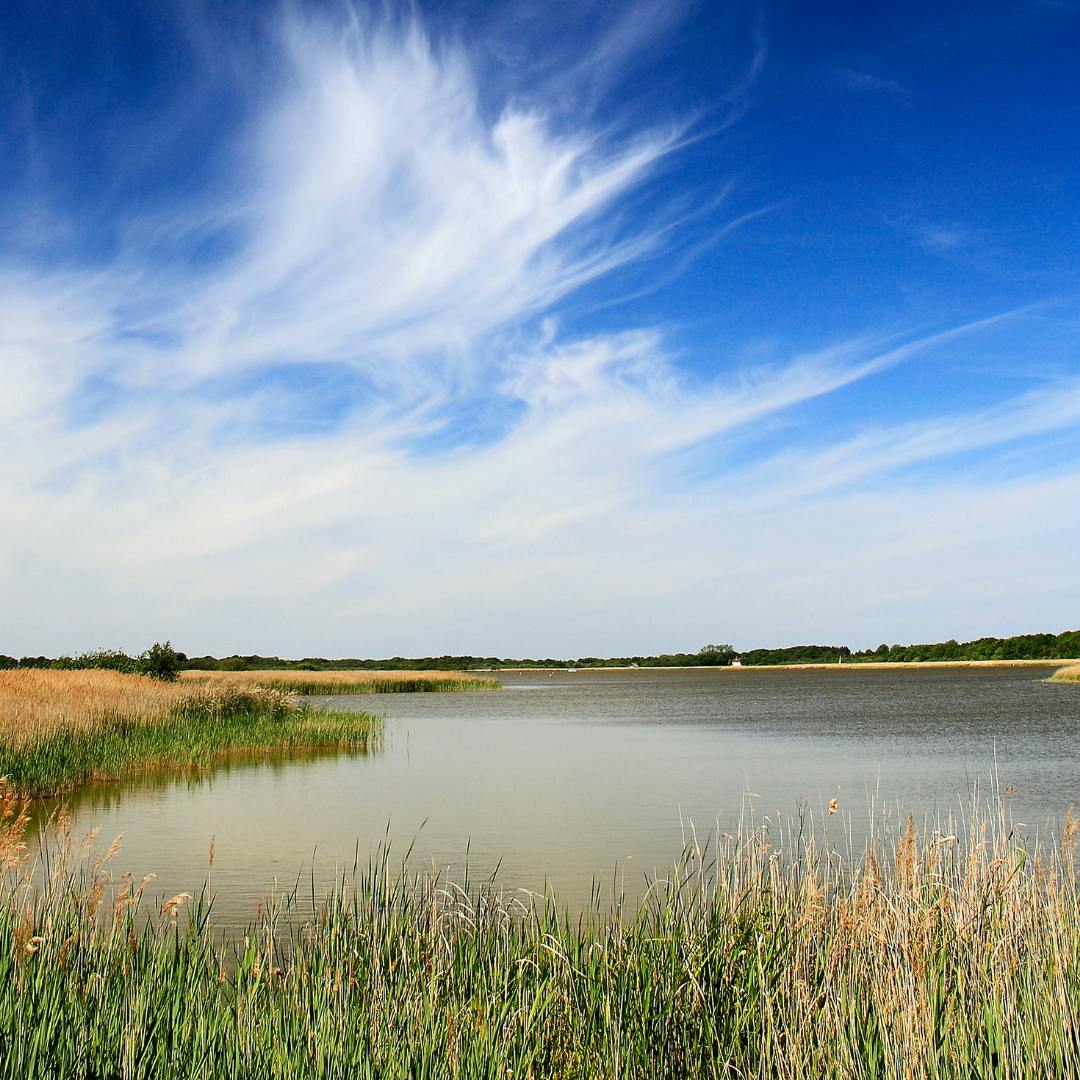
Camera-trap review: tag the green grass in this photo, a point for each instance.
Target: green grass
(937, 957)
(191, 735)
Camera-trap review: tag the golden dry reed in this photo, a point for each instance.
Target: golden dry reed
(344, 682)
(62, 728)
(38, 703)
(1067, 674)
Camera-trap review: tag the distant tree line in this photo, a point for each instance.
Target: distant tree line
(1064, 646)
(798, 654)
(709, 655)
(162, 661)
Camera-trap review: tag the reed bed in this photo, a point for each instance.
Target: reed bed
(953, 953)
(346, 682)
(59, 729)
(1067, 674)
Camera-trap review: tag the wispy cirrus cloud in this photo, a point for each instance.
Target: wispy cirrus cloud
(323, 402)
(857, 79)
(937, 238)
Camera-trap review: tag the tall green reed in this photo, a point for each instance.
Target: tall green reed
(938, 952)
(203, 726)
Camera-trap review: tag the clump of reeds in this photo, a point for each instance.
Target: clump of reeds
(347, 682)
(63, 728)
(38, 703)
(1067, 674)
(947, 953)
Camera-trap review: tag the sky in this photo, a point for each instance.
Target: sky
(537, 329)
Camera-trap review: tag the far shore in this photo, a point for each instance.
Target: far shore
(852, 665)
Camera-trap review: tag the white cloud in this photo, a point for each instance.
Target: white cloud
(941, 239)
(386, 219)
(387, 223)
(878, 84)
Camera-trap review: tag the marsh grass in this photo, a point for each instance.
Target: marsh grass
(948, 952)
(59, 729)
(345, 682)
(1067, 674)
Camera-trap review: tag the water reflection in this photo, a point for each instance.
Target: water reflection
(106, 796)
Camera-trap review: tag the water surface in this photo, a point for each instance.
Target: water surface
(560, 779)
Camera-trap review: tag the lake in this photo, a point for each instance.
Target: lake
(565, 778)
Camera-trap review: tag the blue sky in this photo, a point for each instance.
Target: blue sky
(537, 329)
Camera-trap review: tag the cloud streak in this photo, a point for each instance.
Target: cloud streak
(384, 261)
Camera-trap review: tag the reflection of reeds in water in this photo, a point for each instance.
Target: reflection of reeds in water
(949, 953)
(59, 729)
(1067, 674)
(345, 682)
(104, 795)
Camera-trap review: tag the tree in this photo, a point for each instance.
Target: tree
(716, 654)
(160, 661)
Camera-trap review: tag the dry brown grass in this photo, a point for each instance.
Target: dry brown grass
(342, 682)
(1067, 674)
(38, 703)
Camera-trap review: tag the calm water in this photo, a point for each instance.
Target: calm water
(567, 777)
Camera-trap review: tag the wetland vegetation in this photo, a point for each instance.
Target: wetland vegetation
(62, 728)
(104, 715)
(947, 949)
(1067, 674)
(297, 681)
(946, 952)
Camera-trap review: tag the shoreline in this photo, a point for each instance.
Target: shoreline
(851, 665)
(60, 730)
(1068, 674)
(342, 681)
